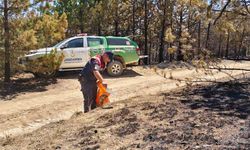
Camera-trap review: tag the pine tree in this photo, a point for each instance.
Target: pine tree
(10, 9)
(51, 29)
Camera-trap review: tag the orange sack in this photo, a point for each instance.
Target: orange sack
(102, 96)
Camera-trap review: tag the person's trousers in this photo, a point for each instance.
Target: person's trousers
(89, 90)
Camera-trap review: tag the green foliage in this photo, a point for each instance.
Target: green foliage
(51, 29)
(47, 65)
(26, 40)
(169, 37)
(186, 44)
(172, 49)
(225, 26)
(32, 32)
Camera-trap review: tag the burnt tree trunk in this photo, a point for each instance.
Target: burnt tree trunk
(6, 42)
(199, 37)
(171, 56)
(220, 43)
(81, 19)
(208, 34)
(146, 31)
(116, 27)
(227, 47)
(133, 16)
(99, 28)
(235, 51)
(241, 42)
(163, 28)
(179, 53)
(189, 16)
(116, 21)
(150, 47)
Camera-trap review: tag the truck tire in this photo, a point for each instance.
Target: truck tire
(115, 68)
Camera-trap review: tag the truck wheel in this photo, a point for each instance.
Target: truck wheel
(115, 68)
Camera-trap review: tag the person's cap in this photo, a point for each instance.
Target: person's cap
(110, 54)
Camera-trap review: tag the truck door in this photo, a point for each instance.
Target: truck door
(75, 54)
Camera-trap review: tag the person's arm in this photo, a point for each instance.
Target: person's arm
(98, 76)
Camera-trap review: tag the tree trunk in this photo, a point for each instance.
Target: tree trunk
(116, 21)
(221, 12)
(189, 16)
(241, 41)
(6, 42)
(188, 22)
(171, 56)
(208, 34)
(161, 59)
(116, 28)
(133, 15)
(235, 51)
(146, 31)
(179, 53)
(227, 47)
(99, 28)
(199, 37)
(150, 46)
(81, 20)
(219, 51)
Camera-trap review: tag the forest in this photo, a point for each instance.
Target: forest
(166, 30)
(190, 89)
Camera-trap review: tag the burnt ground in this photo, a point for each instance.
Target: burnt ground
(23, 85)
(199, 117)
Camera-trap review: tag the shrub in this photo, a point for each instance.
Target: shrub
(47, 65)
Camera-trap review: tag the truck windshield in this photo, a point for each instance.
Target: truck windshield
(58, 44)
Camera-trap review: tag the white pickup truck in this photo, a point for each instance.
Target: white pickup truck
(78, 50)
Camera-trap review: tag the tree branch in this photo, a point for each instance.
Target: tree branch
(13, 4)
(14, 7)
(228, 11)
(245, 2)
(222, 11)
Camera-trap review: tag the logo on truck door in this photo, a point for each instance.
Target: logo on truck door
(73, 60)
(72, 54)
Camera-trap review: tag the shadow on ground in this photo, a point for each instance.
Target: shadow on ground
(23, 85)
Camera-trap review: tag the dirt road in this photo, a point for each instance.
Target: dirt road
(32, 110)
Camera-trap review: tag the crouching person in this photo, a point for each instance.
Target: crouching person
(89, 76)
